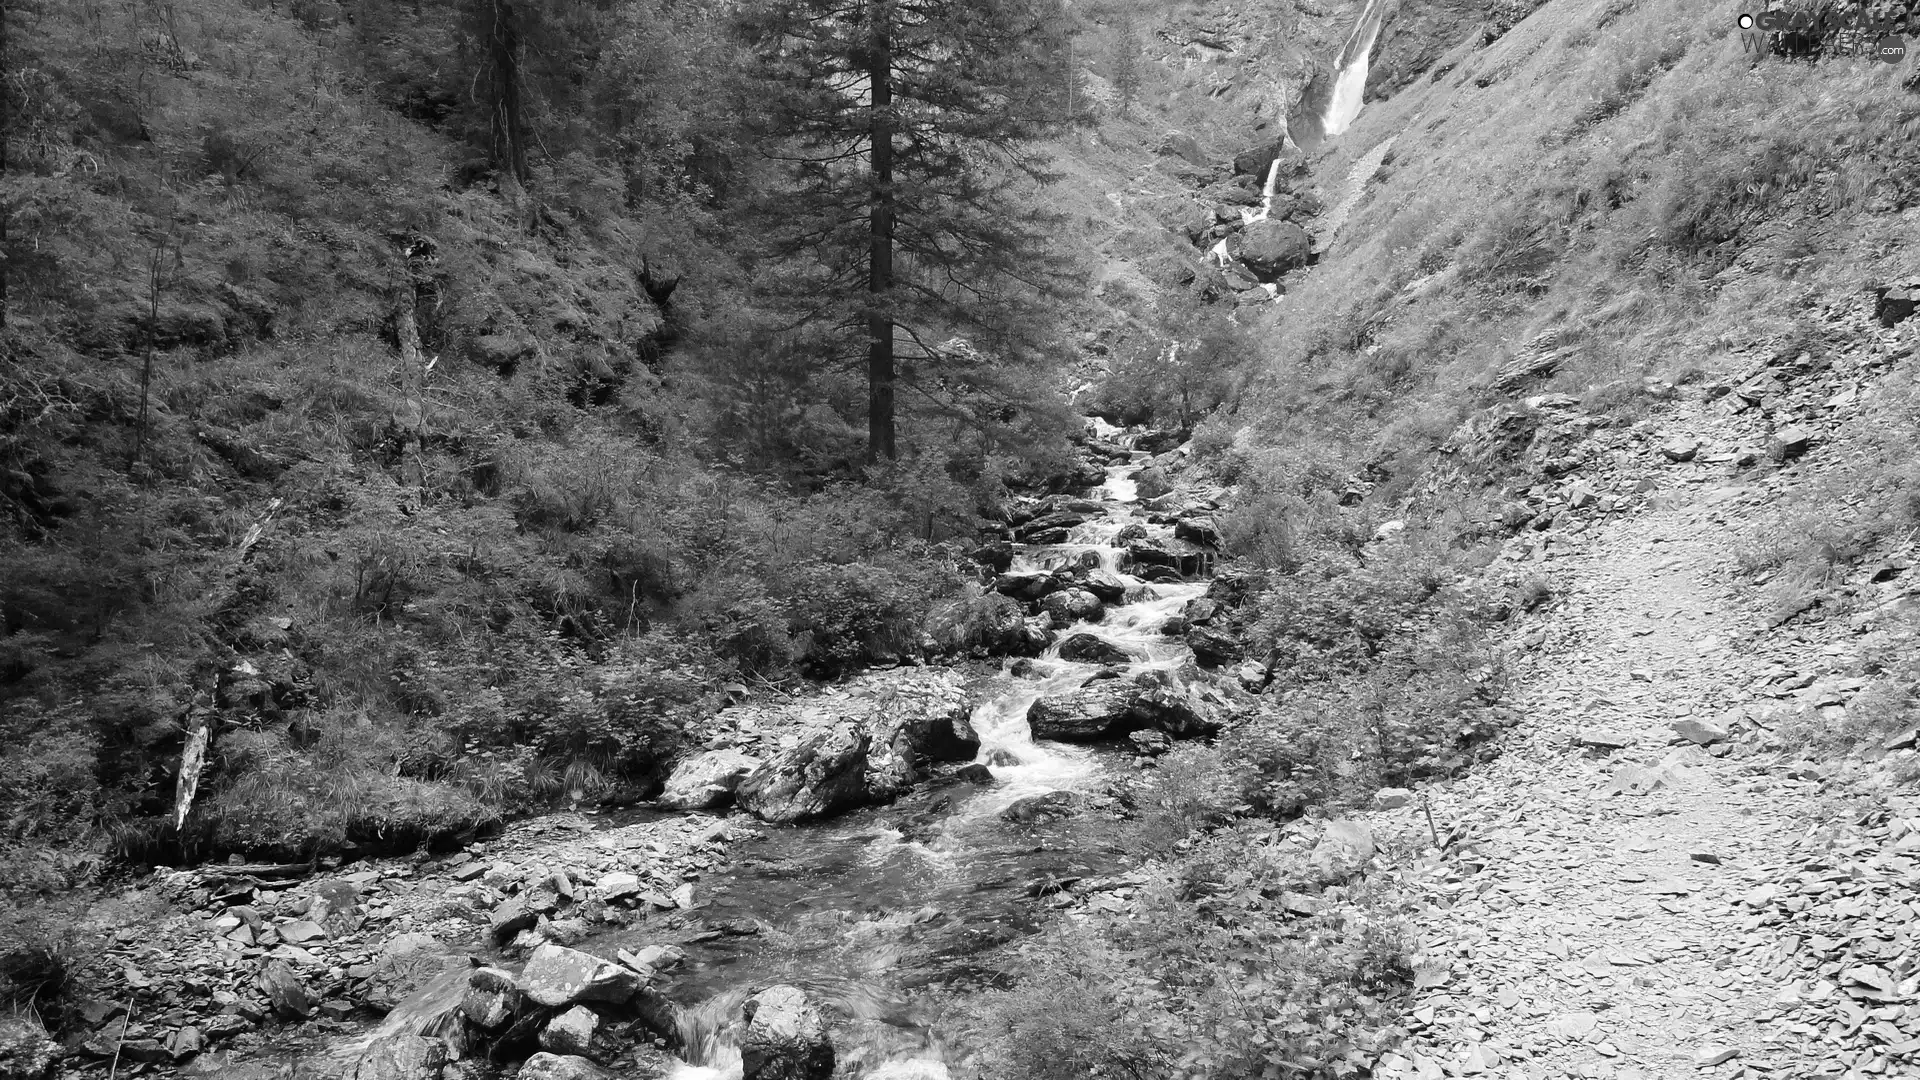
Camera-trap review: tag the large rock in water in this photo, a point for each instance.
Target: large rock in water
(559, 977)
(823, 775)
(785, 1039)
(1093, 649)
(1098, 710)
(545, 1066)
(1074, 605)
(707, 780)
(402, 1057)
(1271, 248)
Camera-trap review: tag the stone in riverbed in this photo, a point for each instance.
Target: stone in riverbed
(1047, 806)
(1097, 710)
(545, 1066)
(1106, 585)
(570, 1033)
(491, 997)
(1092, 649)
(707, 780)
(402, 1057)
(285, 991)
(557, 977)
(785, 1038)
(1074, 605)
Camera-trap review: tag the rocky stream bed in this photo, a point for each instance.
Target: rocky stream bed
(793, 904)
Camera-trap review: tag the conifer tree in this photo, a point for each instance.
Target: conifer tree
(904, 134)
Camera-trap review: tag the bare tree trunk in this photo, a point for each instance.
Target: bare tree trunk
(880, 214)
(500, 41)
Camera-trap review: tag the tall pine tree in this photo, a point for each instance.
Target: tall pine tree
(904, 132)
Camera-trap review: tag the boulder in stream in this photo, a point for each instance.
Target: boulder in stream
(1047, 806)
(1093, 649)
(707, 780)
(1095, 711)
(1271, 248)
(823, 775)
(403, 1057)
(786, 1039)
(1073, 606)
(571, 1032)
(1152, 482)
(545, 1066)
(1108, 586)
(1027, 585)
(558, 977)
(491, 998)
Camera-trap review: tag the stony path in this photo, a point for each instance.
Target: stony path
(1590, 925)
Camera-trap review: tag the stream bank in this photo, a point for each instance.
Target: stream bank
(958, 836)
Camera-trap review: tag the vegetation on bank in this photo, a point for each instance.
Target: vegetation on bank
(402, 392)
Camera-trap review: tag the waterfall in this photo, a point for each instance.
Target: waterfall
(1350, 70)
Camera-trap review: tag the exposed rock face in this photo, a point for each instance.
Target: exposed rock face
(559, 977)
(823, 775)
(785, 1039)
(707, 780)
(1271, 248)
(1256, 161)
